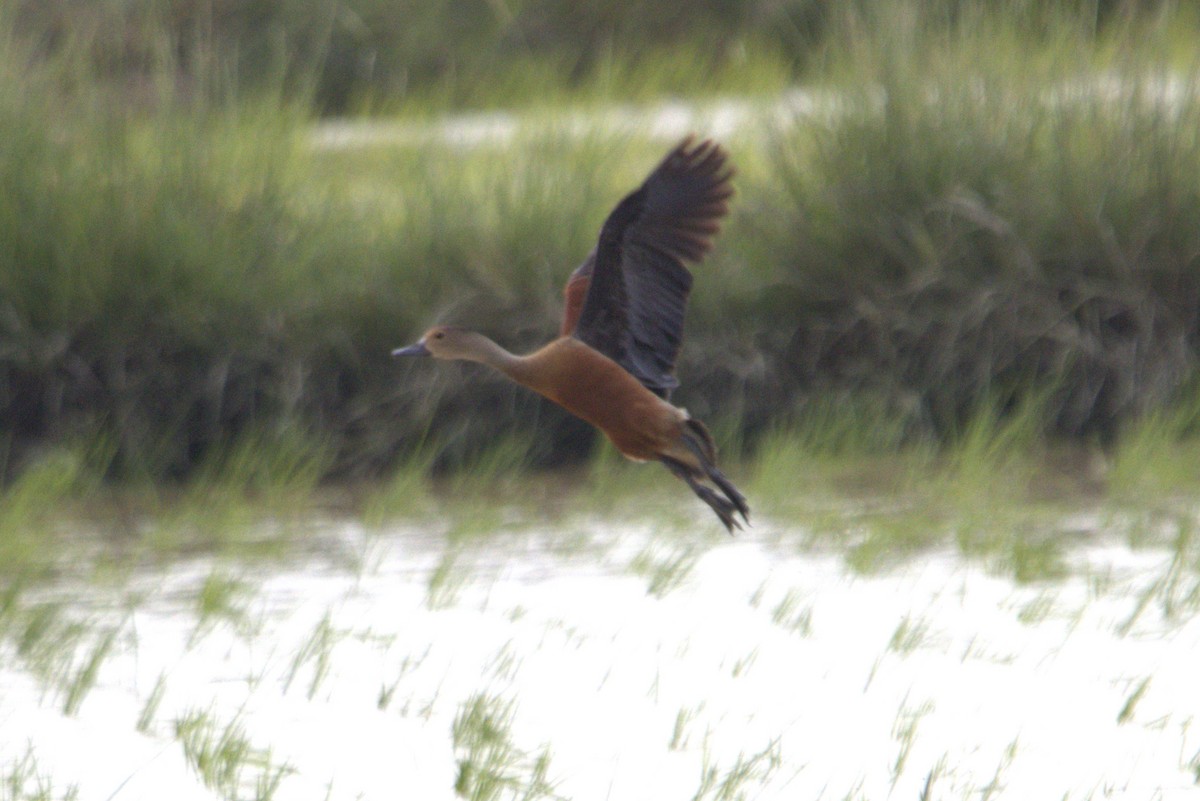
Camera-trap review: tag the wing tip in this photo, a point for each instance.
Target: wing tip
(706, 155)
(704, 164)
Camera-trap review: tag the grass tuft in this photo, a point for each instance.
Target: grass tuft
(220, 598)
(82, 680)
(1127, 711)
(21, 780)
(789, 614)
(150, 709)
(223, 755)
(31, 510)
(733, 785)
(490, 766)
(1155, 455)
(317, 651)
(665, 573)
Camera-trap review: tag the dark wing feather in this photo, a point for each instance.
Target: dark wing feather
(634, 308)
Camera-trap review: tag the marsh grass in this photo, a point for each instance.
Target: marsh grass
(1155, 458)
(737, 781)
(1176, 593)
(447, 579)
(406, 492)
(987, 483)
(315, 655)
(909, 636)
(533, 84)
(273, 467)
(611, 477)
(431, 57)
(223, 757)
(63, 652)
(80, 681)
(993, 457)
(490, 765)
(1130, 706)
(665, 572)
(985, 215)
(246, 494)
(495, 472)
(46, 640)
(742, 664)
(10, 605)
(149, 709)
(31, 509)
(996, 784)
(221, 599)
(790, 614)
(140, 245)
(845, 472)
(684, 720)
(21, 780)
(1037, 610)
(997, 489)
(904, 731)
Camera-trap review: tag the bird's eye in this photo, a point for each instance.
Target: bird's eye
(438, 335)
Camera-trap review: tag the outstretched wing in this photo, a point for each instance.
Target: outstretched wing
(635, 281)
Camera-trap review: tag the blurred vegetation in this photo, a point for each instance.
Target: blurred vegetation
(357, 53)
(349, 54)
(1003, 205)
(982, 221)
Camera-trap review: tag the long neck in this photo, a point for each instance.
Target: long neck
(485, 351)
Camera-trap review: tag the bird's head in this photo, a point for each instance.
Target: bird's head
(444, 342)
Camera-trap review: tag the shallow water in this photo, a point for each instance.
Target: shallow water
(670, 120)
(714, 668)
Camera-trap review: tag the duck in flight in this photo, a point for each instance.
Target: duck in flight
(613, 362)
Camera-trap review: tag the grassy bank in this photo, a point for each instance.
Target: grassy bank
(989, 214)
(985, 219)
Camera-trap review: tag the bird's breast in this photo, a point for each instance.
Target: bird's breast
(595, 388)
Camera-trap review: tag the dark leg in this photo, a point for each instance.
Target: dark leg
(723, 508)
(717, 477)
